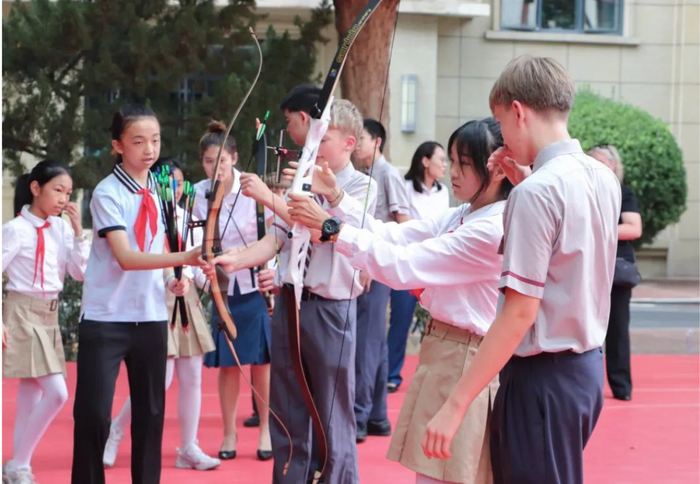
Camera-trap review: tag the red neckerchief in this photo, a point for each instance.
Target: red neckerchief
(148, 215)
(40, 252)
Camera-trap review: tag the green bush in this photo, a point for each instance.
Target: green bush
(652, 159)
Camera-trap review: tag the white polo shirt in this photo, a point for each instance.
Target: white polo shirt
(111, 294)
(559, 246)
(431, 202)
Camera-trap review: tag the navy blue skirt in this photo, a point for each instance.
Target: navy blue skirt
(252, 344)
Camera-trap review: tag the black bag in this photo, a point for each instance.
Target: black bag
(626, 273)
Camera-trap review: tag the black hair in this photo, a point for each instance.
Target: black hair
(123, 118)
(416, 173)
(42, 173)
(302, 98)
(214, 135)
(375, 130)
(476, 140)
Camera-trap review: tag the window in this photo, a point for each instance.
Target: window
(583, 16)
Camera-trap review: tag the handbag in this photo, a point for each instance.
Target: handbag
(626, 273)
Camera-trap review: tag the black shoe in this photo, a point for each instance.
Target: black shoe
(361, 433)
(625, 398)
(227, 454)
(381, 428)
(252, 421)
(264, 455)
(392, 387)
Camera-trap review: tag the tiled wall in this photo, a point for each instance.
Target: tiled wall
(660, 74)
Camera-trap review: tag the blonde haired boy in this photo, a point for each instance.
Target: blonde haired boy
(327, 311)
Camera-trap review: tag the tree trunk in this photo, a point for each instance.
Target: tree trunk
(364, 78)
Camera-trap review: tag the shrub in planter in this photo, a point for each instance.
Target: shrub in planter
(650, 154)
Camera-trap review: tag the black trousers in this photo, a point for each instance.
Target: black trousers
(103, 346)
(617, 342)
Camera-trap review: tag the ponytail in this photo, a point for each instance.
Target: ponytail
(23, 194)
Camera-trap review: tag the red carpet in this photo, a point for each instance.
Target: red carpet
(650, 440)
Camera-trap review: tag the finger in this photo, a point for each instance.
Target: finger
(437, 446)
(294, 164)
(427, 443)
(445, 448)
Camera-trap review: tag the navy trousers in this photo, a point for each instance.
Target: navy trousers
(544, 413)
(371, 360)
(403, 303)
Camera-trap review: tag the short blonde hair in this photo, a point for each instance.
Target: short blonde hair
(613, 156)
(346, 117)
(540, 83)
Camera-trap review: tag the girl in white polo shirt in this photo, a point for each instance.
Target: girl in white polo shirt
(185, 353)
(124, 316)
(38, 248)
(454, 256)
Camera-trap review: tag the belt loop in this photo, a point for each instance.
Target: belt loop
(54, 304)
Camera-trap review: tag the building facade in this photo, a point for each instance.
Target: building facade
(448, 53)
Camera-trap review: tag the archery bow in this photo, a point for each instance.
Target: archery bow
(300, 235)
(211, 247)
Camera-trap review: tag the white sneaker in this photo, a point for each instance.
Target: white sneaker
(194, 458)
(112, 446)
(21, 475)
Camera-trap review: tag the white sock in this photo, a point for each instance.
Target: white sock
(123, 419)
(189, 403)
(54, 395)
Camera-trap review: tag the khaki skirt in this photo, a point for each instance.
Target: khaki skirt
(196, 340)
(35, 347)
(446, 352)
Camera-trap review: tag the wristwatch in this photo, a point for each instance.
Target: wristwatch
(330, 229)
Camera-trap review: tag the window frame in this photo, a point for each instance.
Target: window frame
(579, 17)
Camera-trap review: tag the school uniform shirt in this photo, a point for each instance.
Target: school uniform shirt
(391, 193)
(330, 274)
(111, 294)
(428, 203)
(242, 229)
(559, 246)
(454, 256)
(63, 252)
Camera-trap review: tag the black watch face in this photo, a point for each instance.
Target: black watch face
(330, 226)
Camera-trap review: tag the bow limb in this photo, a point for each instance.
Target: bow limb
(211, 247)
(300, 235)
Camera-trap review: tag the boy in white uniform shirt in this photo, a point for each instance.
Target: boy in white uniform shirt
(372, 356)
(327, 312)
(559, 252)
